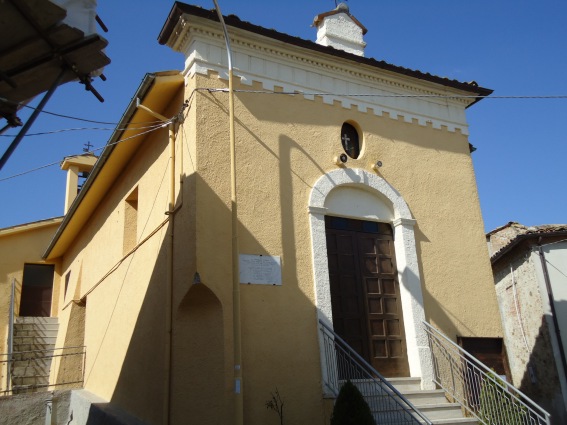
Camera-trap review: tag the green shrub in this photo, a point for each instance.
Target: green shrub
(351, 408)
(497, 405)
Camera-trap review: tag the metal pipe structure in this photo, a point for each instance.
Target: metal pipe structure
(169, 286)
(236, 320)
(169, 290)
(552, 305)
(11, 335)
(31, 119)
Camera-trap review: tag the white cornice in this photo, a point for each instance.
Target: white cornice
(273, 64)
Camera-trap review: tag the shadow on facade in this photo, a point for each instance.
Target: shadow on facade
(202, 363)
(541, 381)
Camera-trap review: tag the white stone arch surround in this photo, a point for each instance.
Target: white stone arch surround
(380, 202)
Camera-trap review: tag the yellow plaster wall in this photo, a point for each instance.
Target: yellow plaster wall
(284, 144)
(124, 327)
(16, 249)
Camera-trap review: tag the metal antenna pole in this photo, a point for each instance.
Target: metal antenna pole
(236, 315)
(31, 119)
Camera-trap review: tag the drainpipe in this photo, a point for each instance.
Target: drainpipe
(169, 277)
(551, 304)
(169, 290)
(236, 327)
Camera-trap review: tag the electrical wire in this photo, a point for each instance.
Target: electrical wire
(3, 99)
(435, 96)
(157, 125)
(189, 100)
(294, 93)
(162, 125)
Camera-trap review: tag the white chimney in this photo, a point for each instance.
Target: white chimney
(339, 29)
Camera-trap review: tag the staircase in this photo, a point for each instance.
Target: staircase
(432, 403)
(472, 386)
(33, 346)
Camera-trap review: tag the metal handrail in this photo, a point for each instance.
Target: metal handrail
(384, 400)
(11, 335)
(44, 350)
(33, 357)
(479, 390)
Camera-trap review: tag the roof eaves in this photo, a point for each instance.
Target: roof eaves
(29, 226)
(144, 87)
(493, 231)
(179, 9)
(526, 236)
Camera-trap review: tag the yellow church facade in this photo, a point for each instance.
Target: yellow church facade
(356, 207)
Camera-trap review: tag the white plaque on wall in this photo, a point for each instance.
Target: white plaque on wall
(260, 269)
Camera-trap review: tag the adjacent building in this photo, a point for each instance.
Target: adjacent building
(530, 273)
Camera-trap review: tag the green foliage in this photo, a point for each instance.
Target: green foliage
(497, 406)
(351, 408)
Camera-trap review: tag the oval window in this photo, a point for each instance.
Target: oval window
(350, 140)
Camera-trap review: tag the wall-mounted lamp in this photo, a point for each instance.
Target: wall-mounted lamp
(376, 165)
(340, 159)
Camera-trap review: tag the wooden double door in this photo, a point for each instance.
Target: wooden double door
(365, 293)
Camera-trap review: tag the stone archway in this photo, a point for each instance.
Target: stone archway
(358, 194)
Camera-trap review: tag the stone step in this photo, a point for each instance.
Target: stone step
(455, 421)
(34, 340)
(436, 416)
(31, 370)
(33, 350)
(441, 411)
(417, 398)
(405, 384)
(36, 320)
(26, 389)
(32, 330)
(32, 356)
(431, 403)
(30, 380)
(422, 397)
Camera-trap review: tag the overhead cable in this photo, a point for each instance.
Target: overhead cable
(2, 99)
(165, 124)
(43, 133)
(439, 96)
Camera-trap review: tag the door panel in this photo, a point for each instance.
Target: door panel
(37, 289)
(347, 300)
(365, 293)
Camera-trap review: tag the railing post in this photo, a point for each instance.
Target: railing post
(377, 391)
(10, 337)
(485, 396)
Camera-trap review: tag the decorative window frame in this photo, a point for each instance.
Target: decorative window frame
(419, 355)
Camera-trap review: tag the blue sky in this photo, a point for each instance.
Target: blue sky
(517, 48)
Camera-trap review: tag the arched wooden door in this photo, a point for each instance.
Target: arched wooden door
(365, 293)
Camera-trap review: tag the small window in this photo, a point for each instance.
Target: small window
(67, 278)
(130, 221)
(350, 140)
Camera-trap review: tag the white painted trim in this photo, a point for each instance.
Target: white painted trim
(259, 59)
(419, 355)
